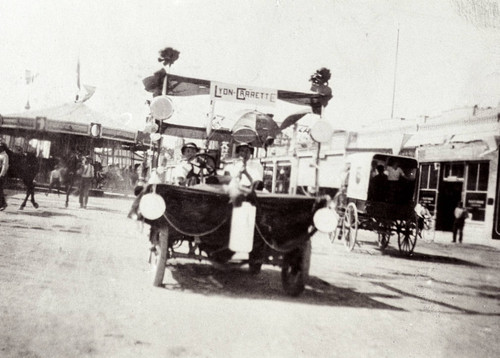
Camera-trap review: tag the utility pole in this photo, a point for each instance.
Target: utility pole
(395, 72)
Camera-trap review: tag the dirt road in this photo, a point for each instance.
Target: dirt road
(76, 283)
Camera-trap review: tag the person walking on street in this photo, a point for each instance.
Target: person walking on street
(86, 182)
(4, 166)
(460, 214)
(55, 180)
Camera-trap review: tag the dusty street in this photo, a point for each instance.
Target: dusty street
(76, 283)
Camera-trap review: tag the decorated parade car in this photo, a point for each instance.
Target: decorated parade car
(225, 221)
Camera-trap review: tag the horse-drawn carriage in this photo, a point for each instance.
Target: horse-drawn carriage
(378, 195)
(229, 224)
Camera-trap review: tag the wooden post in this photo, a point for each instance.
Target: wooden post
(209, 122)
(316, 166)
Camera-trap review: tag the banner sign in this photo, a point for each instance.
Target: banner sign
(243, 94)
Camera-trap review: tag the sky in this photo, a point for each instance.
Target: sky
(448, 53)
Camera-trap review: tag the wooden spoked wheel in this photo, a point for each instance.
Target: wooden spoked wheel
(407, 237)
(350, 226)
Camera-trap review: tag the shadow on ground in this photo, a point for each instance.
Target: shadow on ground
(436, 302)
(419, 256)
(238, 282)
(39, 213)
(423, 257)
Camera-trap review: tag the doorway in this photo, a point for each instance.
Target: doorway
(450, 194)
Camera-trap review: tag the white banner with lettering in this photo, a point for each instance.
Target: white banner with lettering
(243, 94)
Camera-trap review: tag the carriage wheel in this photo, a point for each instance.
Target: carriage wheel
(350, 226)
(295, 269)
(407, 237)
(159, 258)
(384, 235)
(385, 231)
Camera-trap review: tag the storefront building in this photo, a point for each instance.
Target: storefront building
(459, 161)
(55, 132)
(458, 155)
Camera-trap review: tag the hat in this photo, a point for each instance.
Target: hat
(244, 145)
(189, 145)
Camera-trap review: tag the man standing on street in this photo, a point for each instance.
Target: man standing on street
(4, 166)
(86, 182)
(460, 214)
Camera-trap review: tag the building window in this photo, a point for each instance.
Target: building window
(477, 186)
(453, 170)
(268, 176)
(428, 176)
(283, 177)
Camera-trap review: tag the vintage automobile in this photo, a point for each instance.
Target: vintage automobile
(218, 222)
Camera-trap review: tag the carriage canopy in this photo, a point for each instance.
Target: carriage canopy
(362, 169)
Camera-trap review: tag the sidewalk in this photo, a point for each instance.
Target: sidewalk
(445, 237)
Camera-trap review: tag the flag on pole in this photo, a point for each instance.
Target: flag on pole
(29, 77)
(84, 94)
(90, 92)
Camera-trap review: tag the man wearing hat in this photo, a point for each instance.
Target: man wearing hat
(4, 166)
(253, 168)
(184, 171)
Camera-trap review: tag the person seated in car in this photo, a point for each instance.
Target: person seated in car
(184, 171)
(249, 172)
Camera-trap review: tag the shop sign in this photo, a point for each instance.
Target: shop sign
(475, 200)
(25, 123)
(117, 134)
(67, 127)
(429, 198)
(243, 94)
